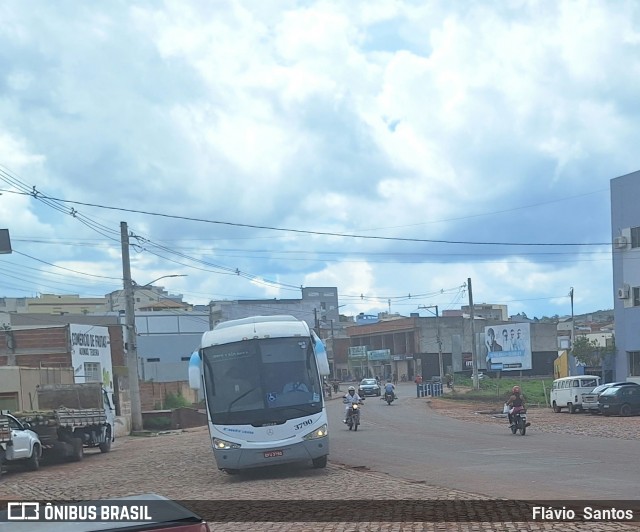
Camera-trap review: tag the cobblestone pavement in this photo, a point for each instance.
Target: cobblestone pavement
(180, 466)
(542, 419)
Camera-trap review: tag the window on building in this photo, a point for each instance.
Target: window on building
(153, 360)
(9, 401)
(185, 359)
(92, 372)
(635, 237)
(634, 363)
(636, 296)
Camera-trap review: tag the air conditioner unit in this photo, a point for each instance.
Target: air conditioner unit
(620, 242)
(623, 293)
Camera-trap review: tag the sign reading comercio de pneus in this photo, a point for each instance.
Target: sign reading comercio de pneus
(91, 354)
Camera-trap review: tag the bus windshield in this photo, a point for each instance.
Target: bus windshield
(261, 381)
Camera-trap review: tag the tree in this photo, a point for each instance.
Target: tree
(589, 353)
(586, 351)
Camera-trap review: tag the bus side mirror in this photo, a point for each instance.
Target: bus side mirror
(194, 371)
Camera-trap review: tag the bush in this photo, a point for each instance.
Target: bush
(172, 401)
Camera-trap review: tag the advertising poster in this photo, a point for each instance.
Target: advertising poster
(508, 347)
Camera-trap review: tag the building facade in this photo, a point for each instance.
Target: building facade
(50, 304)
(625, 233)
(413, 346)
(146, 298)
(318, 307)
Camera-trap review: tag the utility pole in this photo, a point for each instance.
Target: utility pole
(210, 315)
(132, 347)
(474, 358)
(439, 346)
(440, 362)
(573, 331)
(333, 359)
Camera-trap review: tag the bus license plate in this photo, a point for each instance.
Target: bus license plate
(273, 454)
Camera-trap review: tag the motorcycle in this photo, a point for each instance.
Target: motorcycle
(353, 416)
(519, 418)
(389, 397)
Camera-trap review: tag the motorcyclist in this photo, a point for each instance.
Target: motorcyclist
(390, 388)
(350, 398)
(516, 403)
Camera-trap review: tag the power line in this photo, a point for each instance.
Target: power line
(317, 233)
(67, 269)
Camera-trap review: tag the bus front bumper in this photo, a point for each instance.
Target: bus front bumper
(247, 457)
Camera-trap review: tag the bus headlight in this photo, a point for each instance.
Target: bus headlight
(320, 432)
(223, 445)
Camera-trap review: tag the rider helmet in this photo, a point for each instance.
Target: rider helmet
(351, 389)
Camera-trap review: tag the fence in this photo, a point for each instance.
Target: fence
(433, 389)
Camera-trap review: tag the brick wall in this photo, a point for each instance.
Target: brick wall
(54, 338)
(50, 347)
(153, 394)
(35, 347)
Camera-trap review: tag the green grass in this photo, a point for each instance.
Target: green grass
(499, 390)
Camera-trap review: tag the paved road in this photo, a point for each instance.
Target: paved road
(181, 466)
(411, 441)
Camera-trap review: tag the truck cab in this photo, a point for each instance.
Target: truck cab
(18, 444)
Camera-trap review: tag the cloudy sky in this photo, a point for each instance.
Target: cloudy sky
(391, 148)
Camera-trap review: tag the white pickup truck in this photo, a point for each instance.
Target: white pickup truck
(18, 444)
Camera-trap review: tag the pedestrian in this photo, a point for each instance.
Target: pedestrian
(395, 378)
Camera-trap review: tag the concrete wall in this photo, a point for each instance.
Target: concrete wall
(153, 394)
(22, 383)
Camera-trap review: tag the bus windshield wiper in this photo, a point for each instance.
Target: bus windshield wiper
(238, 398)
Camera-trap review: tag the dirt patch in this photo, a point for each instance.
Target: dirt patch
(542, 419)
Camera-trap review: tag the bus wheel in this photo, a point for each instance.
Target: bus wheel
(320, 463)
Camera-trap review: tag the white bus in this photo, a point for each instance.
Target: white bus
(262, 384)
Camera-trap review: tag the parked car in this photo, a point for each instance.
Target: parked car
(18, 443)
(623, 400)
(590, 400)
(368, 387)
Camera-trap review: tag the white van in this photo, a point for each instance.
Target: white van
(567, 392)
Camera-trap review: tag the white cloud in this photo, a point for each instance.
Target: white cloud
(376, 117)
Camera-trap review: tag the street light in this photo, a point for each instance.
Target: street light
(136, 285)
